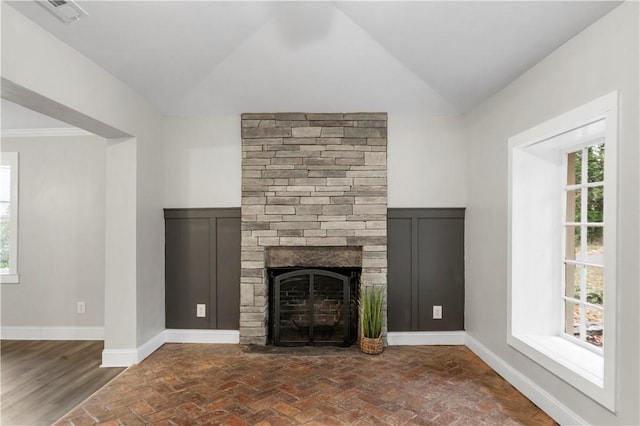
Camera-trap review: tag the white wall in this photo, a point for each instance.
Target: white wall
(149, 234)
(312, 69)
(202, 161)
(426, 161)
(601, 59)
(60, 78)
(61, 237)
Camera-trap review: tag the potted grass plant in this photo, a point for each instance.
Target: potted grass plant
(371, 320)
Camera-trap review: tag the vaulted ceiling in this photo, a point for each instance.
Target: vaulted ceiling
(188, 58)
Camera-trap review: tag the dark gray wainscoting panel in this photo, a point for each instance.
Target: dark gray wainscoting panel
(202, 265)
(400, 277)
(187, 274)
(426, 268)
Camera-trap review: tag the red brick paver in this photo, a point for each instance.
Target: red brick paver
(197, 384)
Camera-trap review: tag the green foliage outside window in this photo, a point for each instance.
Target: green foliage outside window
(595, 195)
(4, 238)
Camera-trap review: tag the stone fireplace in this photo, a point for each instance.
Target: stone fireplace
(314, 195)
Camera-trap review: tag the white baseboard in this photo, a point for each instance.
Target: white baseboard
(550, 405)
(119, 357)
(150, 346)
(202, 336)
(129, 357)
(400, 338)
(52, 333)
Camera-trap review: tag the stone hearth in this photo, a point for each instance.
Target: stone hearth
(310, 183)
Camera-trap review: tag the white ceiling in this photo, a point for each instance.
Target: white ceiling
(463, 51)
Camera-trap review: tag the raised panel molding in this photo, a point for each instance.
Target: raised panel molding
(426, 268)
(202, 266)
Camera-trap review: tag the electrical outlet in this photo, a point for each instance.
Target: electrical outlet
(437, 312)
(201, 310)
(81, 308)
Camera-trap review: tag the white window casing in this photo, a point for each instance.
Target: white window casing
(10, 159)
(536, 199)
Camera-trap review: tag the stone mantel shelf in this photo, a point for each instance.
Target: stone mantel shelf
(310, 257)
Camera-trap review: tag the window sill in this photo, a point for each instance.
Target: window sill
(578, 366)
(9, 278)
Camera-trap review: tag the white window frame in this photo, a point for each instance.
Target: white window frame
(583, 224)
(537, 178)
(11, 159)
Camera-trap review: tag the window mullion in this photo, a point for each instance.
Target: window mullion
(583, 242)
(569, 187)
(564, 289)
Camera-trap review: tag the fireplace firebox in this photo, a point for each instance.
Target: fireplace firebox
(313, 307)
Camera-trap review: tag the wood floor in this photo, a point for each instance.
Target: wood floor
(43, 380)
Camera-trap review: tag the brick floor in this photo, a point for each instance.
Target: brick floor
(198, 384)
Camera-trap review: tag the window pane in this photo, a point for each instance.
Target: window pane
(573, 168)
(595, 173)
(572, 280)
(595, 285)
(573, 206)
(5, 183)
(5, 233)
(572, 243)
(595, 240)
(572, 319)
(5, 219)
(595, 204)
(595, 327)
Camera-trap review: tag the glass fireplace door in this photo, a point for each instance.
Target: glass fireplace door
(311, 307)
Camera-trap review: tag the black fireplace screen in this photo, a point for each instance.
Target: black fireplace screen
(313, 306)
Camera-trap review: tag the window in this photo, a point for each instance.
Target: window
(9, 217)
(562, 230)
(583, 289)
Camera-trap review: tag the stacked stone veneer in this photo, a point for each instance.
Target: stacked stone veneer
(310, 180)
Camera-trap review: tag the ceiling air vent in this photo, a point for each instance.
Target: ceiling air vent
(66, 11)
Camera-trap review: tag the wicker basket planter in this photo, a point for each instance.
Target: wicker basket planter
(371, 346)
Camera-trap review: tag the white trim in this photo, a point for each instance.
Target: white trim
(550, 405)
(150, 346)
(534, 157)
(52, 333)
(202, 336)
(11, 160)
(127, 357)
(400, 338)
(119, 357)
(51, 132)
(579, 366)
(588, 113)
(9, 279)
